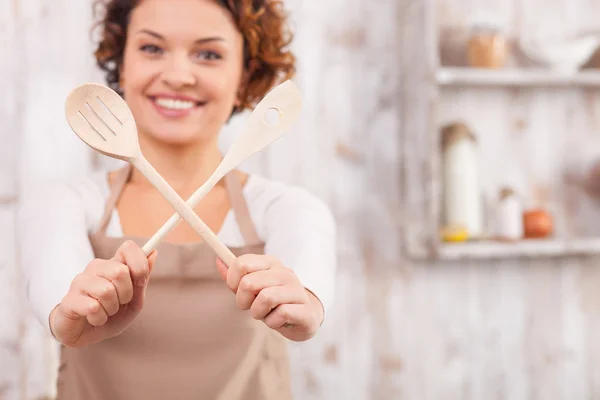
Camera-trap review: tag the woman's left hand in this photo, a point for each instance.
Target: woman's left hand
(273, 294)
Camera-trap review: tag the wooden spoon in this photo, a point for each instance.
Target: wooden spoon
(271, 118)
(103, 120)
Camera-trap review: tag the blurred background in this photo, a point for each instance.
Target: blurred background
(456, 141)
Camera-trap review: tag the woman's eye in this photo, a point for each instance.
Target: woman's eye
(151, 49)
(209, 55)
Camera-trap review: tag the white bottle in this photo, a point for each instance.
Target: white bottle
(509, 216)
(462, 200)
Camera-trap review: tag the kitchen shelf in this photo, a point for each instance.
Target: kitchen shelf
(522, 249)
(426, 107)
(516, 77)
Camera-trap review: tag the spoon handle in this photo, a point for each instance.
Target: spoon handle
(183, 210)
(174, 220)
(258, 133)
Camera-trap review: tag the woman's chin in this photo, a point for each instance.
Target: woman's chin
(178, 138)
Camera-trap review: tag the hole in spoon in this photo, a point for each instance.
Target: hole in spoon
(272, 116)
(99, 118)
(91, 126)
(109, 110)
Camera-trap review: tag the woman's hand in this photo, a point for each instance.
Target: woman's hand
(104, 299)
(273, 294)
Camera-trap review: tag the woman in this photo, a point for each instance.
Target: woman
(180, 324)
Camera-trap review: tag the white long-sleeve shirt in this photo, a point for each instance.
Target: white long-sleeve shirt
(55, 218)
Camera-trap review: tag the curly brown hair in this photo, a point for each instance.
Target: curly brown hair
(262, 23)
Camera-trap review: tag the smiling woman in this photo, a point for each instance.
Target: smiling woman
(241, 47)
(180, 324)
(261, 24)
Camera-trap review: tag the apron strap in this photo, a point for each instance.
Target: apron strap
(240, 209)
(116, 189)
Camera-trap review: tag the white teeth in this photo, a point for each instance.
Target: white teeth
(174, 104)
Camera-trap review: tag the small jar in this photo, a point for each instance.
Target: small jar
(486, 47)
(509, 216)
(538, 223)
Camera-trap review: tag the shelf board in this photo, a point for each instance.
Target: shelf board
(516, 77)
(522, 249)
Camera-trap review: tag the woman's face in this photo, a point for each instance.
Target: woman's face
(182, 69)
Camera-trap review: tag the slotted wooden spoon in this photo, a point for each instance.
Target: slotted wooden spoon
(271, 118)
(103, 120)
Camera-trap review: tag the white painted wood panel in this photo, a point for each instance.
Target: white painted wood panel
(57, 57)
(10, 310)
(10, 306)
(10, 102)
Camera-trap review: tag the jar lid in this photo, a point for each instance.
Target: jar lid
(452, 133)
(506, 192)
(485, 20)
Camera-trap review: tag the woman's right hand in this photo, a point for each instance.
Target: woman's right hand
(104, 299)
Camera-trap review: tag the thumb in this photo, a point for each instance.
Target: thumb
(139, 293)
(222, 268)
(151, 260)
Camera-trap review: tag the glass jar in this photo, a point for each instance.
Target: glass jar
(486, 48)
(509, 215)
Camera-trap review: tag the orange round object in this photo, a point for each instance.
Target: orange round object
(537, 223)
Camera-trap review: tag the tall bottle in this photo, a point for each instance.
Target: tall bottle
(462, 199)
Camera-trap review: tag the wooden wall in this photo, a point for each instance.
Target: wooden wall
(400, 329)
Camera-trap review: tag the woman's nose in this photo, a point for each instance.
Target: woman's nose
(179, 73)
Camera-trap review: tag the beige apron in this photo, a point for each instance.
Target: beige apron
(190, 341)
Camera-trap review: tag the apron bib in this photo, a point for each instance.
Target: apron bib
(190, 341)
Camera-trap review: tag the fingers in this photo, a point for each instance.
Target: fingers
(139, 293)
(273, 294)
(129, 265)
(252, 284)
(100, 289)
(273, 297)
(77, 305)
(108, 284)
(96, 312)
(288, 315)
(132, 255)
(151, 260)
(222, 268)
(246, 264)
(118, 274)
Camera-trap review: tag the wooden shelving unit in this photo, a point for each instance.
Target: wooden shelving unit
(424, 82)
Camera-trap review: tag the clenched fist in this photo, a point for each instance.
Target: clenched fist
(104, 299)
(273, 294)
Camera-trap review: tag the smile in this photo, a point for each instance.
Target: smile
(172, 104)
(175, 108)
